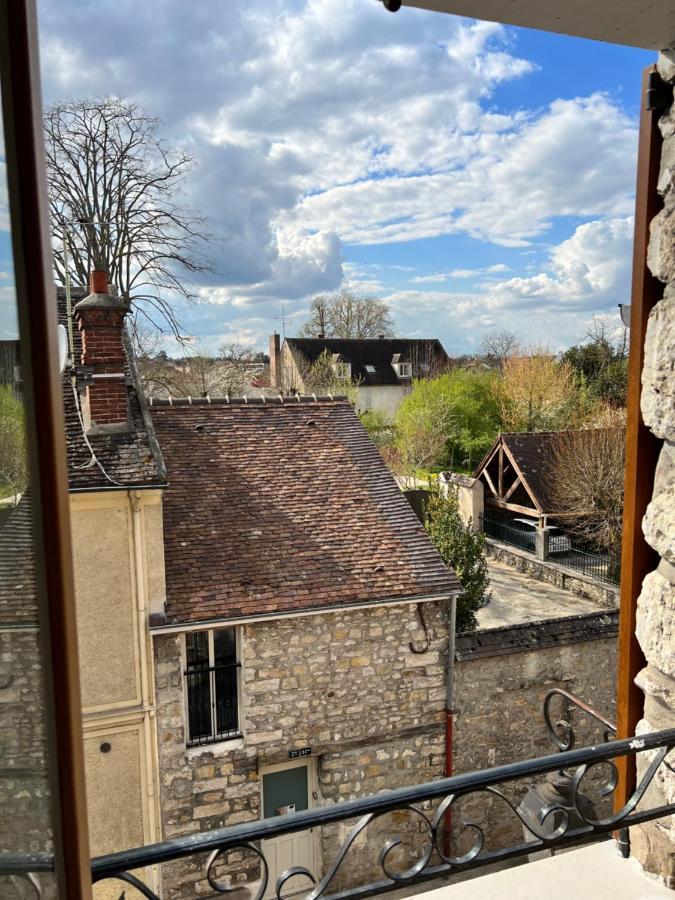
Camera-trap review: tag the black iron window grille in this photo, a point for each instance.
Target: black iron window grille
(212, 686)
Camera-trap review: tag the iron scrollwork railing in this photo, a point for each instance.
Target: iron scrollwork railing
(430, 804)
(565, 724)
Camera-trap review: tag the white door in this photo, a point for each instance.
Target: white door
(286, 789)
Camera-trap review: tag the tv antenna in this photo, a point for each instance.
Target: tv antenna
(284, 321)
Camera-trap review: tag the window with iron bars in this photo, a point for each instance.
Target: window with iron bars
(212, 686)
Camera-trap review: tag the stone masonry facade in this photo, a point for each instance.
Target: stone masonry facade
(348, 685)
(654, 843)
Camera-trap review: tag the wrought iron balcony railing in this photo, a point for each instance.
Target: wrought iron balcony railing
(568, 822)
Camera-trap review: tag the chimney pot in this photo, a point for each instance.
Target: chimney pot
(98, 281)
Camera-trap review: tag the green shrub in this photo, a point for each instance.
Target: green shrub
(464, 551)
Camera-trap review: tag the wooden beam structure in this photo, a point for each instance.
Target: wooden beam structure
(642, 448)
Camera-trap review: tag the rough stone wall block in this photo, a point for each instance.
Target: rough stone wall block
(654, 843)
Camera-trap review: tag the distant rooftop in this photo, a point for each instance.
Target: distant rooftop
(371, 359)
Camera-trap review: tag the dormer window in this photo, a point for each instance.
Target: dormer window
(403, 369)
(342, 368)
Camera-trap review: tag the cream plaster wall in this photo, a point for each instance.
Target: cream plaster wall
(119, 579)
(384, 398)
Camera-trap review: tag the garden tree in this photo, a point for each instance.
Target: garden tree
(587, 468)
(423, 423)
(602, 363)
(348, 315)
(114, 199)
(537, 393)
(13, 454)
(498, 346)
(448, 421)
(320, 377)
(379, 428)
(464, 551)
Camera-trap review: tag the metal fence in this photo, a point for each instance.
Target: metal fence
(562, 550)
(602, 566)
(509, 533)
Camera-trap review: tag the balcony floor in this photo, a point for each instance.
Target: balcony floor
(596, 872)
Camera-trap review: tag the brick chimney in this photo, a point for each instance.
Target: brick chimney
(100, 318)
(275, 361)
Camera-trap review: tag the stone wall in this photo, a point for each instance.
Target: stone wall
(24, 798)
(348, 685)
(502, 678)
(654, 843)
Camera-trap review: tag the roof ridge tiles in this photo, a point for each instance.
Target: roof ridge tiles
(249, 401)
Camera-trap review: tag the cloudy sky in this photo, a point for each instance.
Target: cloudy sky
(476, 177)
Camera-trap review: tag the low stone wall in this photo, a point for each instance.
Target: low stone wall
(502, 678)
(552, 573)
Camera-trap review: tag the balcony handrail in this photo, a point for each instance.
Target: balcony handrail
(247, 835)
(567, 741)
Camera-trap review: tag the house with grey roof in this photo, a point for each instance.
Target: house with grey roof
(382, 369)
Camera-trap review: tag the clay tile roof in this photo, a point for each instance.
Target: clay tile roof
(18, 597)
(132, 459)
(283, 506)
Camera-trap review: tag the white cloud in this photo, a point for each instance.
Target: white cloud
(458, 273)
(317, 123)
(586, 276)
(508, 189)
(590, 270)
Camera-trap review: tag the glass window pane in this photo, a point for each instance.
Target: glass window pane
(197, 644)
(224, 647)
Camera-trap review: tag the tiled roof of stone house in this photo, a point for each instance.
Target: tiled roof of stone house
(376, 353)
(274, 507)
(130, 459)
(18, 596)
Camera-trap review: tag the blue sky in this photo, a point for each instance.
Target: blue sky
(476, 177)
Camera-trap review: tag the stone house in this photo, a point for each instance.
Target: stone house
(382, 369)
(299, 588)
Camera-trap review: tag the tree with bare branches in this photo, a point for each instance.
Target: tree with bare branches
(498, 346)
(587, 484)
(348, 315)
(114, 199)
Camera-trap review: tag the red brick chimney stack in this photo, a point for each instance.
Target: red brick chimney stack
(100, 318)
(275, 361)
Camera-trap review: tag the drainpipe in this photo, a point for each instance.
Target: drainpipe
(450, 711)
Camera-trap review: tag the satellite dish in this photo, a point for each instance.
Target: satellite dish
(63, 348)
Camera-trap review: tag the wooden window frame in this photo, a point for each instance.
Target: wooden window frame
(34, 281)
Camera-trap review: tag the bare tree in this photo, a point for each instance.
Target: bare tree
(587, 483)
(498, 346)
(348, 315)
(114, 190)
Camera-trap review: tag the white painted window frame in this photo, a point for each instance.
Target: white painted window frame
(211, 662)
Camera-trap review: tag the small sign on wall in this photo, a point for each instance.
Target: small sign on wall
(303, 751)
